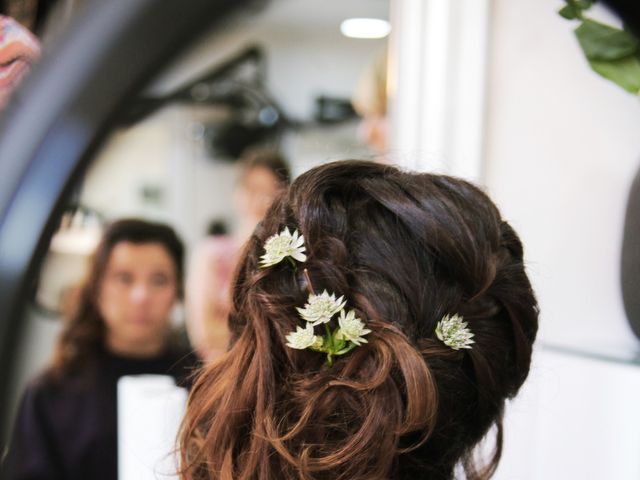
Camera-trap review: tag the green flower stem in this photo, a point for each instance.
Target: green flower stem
(293, 264)
(331, 343)
(346, 350)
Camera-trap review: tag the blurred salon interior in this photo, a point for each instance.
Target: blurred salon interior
(197, 114)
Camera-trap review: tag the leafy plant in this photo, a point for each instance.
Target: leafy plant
(611, 52)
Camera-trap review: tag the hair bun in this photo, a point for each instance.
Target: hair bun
(405, 250)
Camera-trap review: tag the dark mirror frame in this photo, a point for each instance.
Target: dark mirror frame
(60, 117)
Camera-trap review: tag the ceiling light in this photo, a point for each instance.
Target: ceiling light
(365, 28)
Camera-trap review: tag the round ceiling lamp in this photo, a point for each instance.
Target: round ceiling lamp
(365, 28)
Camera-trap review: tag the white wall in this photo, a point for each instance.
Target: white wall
(562, 150)
(562, 147)
(575, 418)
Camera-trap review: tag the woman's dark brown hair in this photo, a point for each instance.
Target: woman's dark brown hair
(83, 334)
(405, 249)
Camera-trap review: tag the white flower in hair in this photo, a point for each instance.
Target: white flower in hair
(302, 338)
(352, 328)
(317, 346)
(282, 245)
(454, 332)
(320, 308)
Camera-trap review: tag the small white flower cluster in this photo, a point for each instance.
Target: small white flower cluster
(454, 333)
(320, 309)
(282, 245)
(351, 328)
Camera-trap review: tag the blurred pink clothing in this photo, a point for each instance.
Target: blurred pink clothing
(208, 294)
(19, 49)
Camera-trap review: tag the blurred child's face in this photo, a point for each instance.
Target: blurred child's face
(138, 291)
(258, 189)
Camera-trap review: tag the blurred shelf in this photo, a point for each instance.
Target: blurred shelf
(626, 355)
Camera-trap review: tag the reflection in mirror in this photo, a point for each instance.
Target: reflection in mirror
(204, 149)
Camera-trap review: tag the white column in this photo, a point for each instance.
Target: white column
(437, 84)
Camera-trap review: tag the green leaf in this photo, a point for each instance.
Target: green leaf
(602, 42)
(625, 72)
(583, 4)
(569, 12)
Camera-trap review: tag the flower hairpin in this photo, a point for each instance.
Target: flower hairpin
(319, 309)
(454, 333)
(303, 338)
(283, 245)
(351, 328)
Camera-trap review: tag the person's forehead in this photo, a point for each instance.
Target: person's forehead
(134, 255)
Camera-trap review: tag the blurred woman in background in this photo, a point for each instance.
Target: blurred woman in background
(66, 425)
(263, 175)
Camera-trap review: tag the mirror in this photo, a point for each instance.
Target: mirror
(279, 80)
